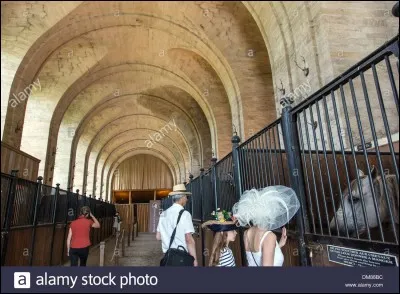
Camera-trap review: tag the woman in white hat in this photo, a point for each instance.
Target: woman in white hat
(265, 210)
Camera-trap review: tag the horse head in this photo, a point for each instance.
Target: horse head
(360, 198)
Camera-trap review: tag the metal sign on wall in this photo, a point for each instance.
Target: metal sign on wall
(154, 215)
(355, 257)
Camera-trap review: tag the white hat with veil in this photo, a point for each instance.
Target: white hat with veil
(268, 208)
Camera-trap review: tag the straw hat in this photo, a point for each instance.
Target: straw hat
(179, 189)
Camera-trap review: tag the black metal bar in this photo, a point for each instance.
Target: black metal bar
(242, 167)
(192, 191)
(268, 161)
(54, 221)
(66, 223)
(262, 161)
(9, 212)
(38, 194)
(326, 161)
(360, 129)
(276, 156)
(224, 191)
(344, 157)
(191, 198)
(214, 182)
(255, 163)
(292, 148)
(252, 164)
(270, 157)
(263, 130)
(202, 216)
(336, 167)
(280, 153)
(312, 169)
(392, 83)
(258, 162)
(299, 126)
(238, 189)
(236, 166)
(385, 122)
(77, 204)
(247, 166)
(319, 167)
(378, 157)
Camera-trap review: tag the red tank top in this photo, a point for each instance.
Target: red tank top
(81, 232)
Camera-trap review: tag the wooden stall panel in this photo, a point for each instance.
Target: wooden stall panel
(126, 213)
(18, 254)
(58, 249)
(41, 255)
(197, 239)
(291, 252)
(143, 216)
(12, 158)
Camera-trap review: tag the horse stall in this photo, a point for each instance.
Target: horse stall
(126, 212)
(35, 220)
(143, 213)
(339, 151)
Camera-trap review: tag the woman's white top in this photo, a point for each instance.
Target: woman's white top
(255, 258)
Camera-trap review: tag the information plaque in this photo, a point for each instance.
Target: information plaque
(355, 257)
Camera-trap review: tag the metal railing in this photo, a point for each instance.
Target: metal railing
(39, 215)
(319, 148)
(262, 158)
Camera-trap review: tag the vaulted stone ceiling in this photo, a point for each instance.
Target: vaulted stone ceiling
(107, 77)
(110, 80)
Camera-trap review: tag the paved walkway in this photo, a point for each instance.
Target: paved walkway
(144, 251)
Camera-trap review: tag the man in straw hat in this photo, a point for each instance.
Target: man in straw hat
(184, 229)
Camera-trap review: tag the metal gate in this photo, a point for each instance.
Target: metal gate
(35, 218)
(339, 150)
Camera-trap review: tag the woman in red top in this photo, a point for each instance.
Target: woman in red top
(78, 241)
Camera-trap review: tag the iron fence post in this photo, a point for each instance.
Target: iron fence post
(191, 190)
(38, 193)
(54, 221)
(7, 218)
(395, 46)
(214, 181)
(238, 189)
(203, 260)
(66, 223)
(292, 147)
(77, 204)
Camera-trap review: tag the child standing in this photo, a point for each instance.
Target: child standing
(224, 232)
